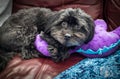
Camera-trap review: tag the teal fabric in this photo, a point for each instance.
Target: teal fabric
(100, 50)
(96, 68)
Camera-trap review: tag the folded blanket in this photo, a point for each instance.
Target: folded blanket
(96, 68)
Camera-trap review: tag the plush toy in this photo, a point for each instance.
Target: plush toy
(103, 43)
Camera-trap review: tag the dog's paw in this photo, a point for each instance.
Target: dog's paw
(52, 49)
(54, 53)
(64, 55)
(61, 56)
(56, 58)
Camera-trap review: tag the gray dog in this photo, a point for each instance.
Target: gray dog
(62, 30)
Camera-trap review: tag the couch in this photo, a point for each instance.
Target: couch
(45, 68)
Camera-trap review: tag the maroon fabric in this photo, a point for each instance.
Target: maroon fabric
(92, 7)
(112, 13)
(37, 68)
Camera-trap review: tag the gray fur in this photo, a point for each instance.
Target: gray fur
(62, 30)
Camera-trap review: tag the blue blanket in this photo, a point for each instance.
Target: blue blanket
(96, 68)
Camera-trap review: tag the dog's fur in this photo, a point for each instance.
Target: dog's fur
(61, 29)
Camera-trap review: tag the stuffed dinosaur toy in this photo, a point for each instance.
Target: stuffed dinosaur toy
(103, 43)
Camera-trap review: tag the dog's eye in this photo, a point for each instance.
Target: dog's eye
(64, 24)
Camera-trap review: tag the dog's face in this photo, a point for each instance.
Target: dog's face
(72, 27)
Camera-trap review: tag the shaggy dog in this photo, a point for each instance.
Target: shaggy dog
(62, 30)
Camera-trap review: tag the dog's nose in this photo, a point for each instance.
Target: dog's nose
(67, 36)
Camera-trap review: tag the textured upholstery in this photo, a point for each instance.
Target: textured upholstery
(45, 68)
(92, 7)
(112, 13)
(37, 68)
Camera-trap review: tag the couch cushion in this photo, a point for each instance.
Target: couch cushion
(92, 7)
(37, 68)
(112, 13)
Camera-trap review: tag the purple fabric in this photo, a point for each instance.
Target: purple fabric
(41, 45)
(101, 38)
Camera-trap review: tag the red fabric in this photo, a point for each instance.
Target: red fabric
(37, 68)
(112, 13)
(92, 7)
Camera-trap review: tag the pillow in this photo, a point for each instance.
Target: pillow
(103, 43)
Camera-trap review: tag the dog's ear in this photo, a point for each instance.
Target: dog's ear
(42, 18)
(89, 21)
(91, 27)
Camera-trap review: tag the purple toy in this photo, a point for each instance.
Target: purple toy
(103, 43)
